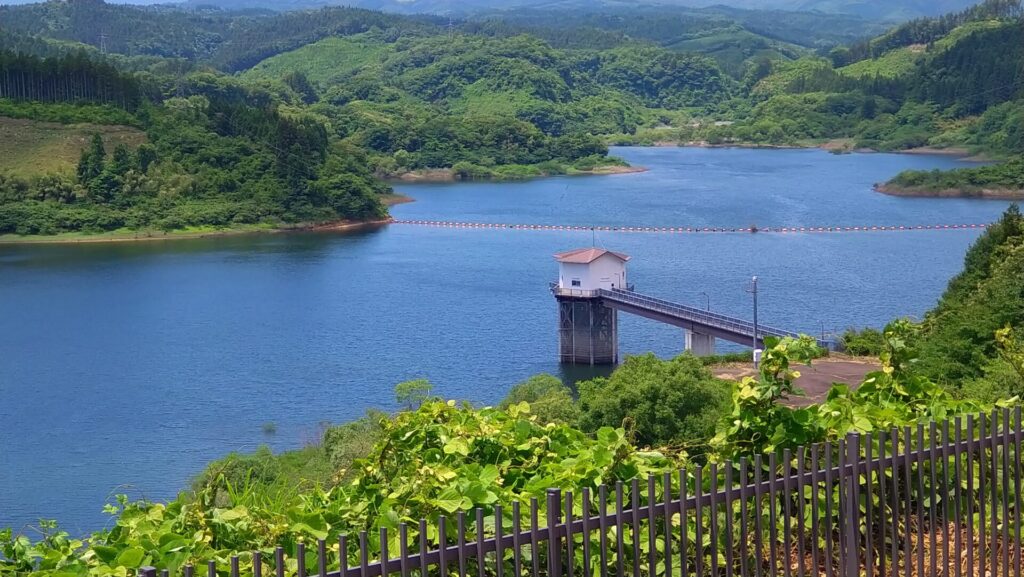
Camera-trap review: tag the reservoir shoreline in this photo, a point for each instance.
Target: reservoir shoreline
(202, 343)
(159, 235)
(981, 194)
(447, 175)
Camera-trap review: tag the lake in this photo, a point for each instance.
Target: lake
(126, 367)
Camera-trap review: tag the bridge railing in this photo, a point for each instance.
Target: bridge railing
(694, 314)
(575, 292)
(702, 316)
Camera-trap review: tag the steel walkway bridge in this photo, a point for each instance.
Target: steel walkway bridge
(589, 329)
(700, 321)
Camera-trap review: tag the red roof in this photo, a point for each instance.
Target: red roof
(587, 255)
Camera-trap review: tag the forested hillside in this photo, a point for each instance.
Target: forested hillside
(884, 11)
(231, 100)
(955, 81)
(479, 102)
(210, 163)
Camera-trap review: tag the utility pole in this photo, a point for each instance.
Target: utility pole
(103, 42)
(753, 289)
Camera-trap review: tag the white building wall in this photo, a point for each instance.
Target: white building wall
(606, 272)
(568, 272)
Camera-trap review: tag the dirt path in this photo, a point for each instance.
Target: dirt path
(815, 380)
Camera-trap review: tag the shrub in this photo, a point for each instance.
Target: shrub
(659, 402)
(863, 343)
(549, 399)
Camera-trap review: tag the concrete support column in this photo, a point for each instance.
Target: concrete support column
(699, 344)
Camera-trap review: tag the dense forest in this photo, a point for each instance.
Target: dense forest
(68, 78)
(208, 162)
(266, 120)
(260, 118)
(922, 31)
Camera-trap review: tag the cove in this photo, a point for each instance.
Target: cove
(125, 368)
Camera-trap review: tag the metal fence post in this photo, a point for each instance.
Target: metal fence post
(851, 505)
(554, 542)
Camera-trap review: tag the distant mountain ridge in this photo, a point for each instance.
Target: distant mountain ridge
(869, 9)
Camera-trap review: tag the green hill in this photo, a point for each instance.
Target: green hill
(421, 102)
(325, 61)
(904, 60)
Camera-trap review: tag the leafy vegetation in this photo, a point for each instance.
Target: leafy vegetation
(993, 180)
(269, 168)
(68, 78)
(356, 94)
(958, 344)
(862, 343)
(549, 399)
(477, 104)
(956, 85)
(675, 402)
(437, 460)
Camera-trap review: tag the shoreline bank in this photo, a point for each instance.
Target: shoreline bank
(984, 193)
(158, 235)
(835, 145)
(448, 175)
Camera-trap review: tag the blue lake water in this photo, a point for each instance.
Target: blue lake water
(127, 367)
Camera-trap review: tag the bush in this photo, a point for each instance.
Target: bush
(345, 443)
(867, 342)
(549, 399)
(470, 171)
(659, 402)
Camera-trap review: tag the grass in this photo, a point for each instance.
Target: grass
(31, 148)
(902, 61)
(961, 32)
(323, 61)
(890, 65)
(137, 235)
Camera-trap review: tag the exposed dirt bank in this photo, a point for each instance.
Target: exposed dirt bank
(159, 235)
(448, 175)
(988, 193)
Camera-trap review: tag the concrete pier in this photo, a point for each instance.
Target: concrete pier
(699, 344)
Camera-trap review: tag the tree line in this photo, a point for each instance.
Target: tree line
(924, 31)
(72, 77)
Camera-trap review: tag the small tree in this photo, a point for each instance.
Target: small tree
(121, 161)
(412, 394)
(549, 399)
(90, 165)
(146, 156)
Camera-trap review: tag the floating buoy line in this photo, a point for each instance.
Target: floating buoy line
(689, 229)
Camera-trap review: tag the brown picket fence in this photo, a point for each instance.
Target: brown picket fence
(939, 499)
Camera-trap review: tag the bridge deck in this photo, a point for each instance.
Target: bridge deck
(699, 320)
